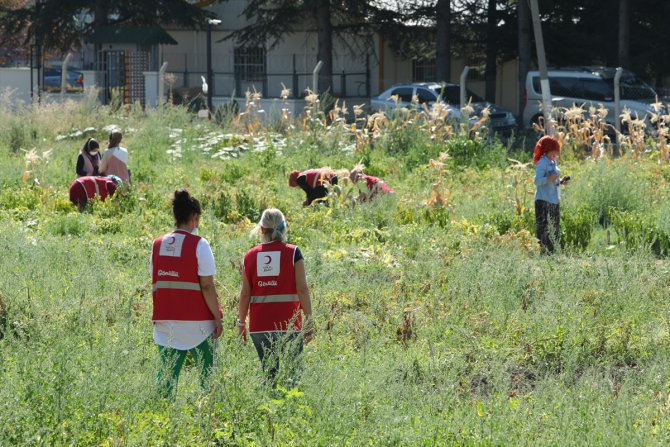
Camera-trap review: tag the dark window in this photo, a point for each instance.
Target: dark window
(570, 87)
(250, 64)
(424, 70)
(598, 90)
(451, 94)
(561, 86)
(425, 96)
(404, 93)
(634, 88)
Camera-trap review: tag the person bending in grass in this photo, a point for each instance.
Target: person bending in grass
(275, 296)
(548, 192)
(373, 186)
(186, 309)
(314, 182)
(88, 188)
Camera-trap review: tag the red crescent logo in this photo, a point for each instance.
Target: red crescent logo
(171, 240)
(269, 260)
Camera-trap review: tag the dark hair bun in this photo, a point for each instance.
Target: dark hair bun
(181, 195)
(184, 206)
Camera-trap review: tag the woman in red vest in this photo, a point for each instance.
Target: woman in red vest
(313, 182)
(373, 185)
(275, 295)
(186, 310)
(87, 188)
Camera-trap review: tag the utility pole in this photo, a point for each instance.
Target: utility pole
(542, 65)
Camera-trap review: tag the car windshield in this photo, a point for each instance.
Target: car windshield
(634, 88)
(452, 94)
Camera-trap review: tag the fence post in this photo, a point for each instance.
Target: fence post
(367, 75)
(185, 70)
(343, 85)
(63, 75)
(617, 105)
(315, 77)
(238, 83)
(463, 80)
(161, 82)
(295, 79)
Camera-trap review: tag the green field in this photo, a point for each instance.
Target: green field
(438, 323)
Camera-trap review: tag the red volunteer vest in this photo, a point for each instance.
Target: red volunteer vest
(96, 186)
(376, 185)
(314, 177)
(274, 295)
(176, 286)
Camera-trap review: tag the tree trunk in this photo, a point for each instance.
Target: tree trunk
(443, 49)
(624, 33)
(325, 46)
(491, 52)
(523, 17)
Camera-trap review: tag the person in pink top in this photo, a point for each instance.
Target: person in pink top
(115, 159)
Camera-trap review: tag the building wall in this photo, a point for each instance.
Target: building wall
(295, 53)
(187, 62)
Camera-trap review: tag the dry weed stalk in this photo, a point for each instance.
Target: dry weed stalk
(440, 196)
(250, 119)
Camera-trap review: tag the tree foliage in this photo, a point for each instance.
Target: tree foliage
(61, 25)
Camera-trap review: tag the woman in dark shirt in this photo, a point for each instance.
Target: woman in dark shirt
(89, 159)
(314, 182)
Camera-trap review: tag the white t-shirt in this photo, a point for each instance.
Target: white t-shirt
(119, 152)
(185, 335)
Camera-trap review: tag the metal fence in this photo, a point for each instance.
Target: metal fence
(351, 78)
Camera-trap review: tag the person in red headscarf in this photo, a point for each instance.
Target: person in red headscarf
(314, 182)
(548, 183)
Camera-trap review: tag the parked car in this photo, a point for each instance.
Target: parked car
(502, 120)
(587, 86)
(52, 80)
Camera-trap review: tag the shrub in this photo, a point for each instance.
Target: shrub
(577, 227)
(223, 206)
(467, 152)
(611, 186)
(640, 231)
(71, 224)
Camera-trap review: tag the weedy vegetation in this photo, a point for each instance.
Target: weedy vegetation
(439, 322)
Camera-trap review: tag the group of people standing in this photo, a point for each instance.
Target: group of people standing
(100, 175)
(274, 307)
(316, 183)
(187, 313)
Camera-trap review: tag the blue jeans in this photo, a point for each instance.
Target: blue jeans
(275, 346)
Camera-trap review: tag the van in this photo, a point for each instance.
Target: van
(587, 86)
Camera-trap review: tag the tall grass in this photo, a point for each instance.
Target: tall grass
(439, 322)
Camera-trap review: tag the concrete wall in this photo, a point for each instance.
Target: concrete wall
(15, 81)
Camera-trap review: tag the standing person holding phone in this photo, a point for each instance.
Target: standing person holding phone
(548, 192)
(186, 309)
(275, 296)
